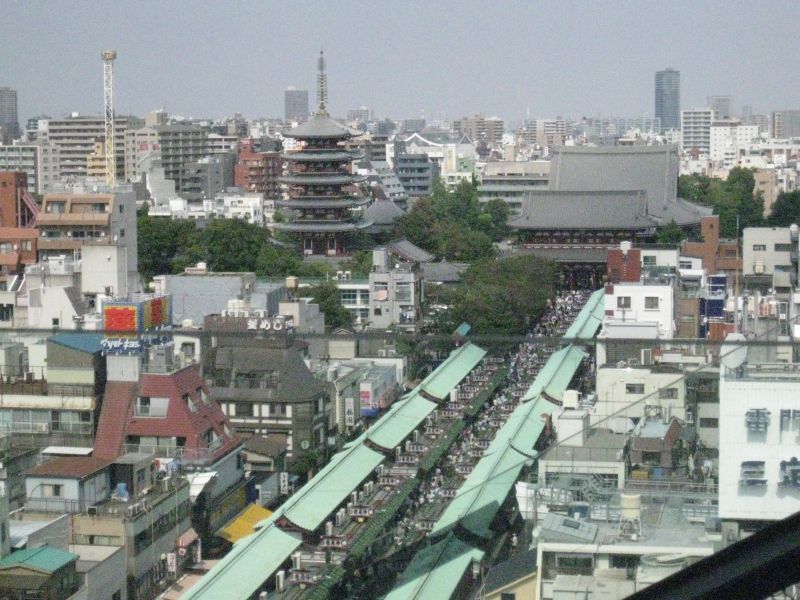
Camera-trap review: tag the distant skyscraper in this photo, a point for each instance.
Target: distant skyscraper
(786, 123)
(668, 98)
(722, 106)
(9, 123)
(295, 104)
(696, 129)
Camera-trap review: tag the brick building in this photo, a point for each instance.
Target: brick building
(257, 171)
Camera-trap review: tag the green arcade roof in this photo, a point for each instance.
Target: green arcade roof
(436, 571)
(452, 371)
(589, 320)
(555, 376)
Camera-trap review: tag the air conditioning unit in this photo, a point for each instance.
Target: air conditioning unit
(91, 511)
(758, 267)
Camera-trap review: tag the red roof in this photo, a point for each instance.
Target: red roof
(70, 467)
(115, 413)
(117, 420)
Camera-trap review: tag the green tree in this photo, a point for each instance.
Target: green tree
(326, 295)
(166, 245)
(671, 234)
(233, 244)
(786, 209)
(498, 212)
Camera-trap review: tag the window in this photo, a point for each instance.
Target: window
(56, 207)
(651, 302)
(122, 232)
(759, 247)
(121, 209)
(27, 245)
(56, 322)
(648, 261)
(508, 596)
(634, 388)
(783, 268)
(668, 393)
(187, 349)
(623, 301)
(349, 296)
(709, 422)
(377, 312)
(190, 403)
(51, 490)
(783, 247)
(6, 312)
(244, 409)
(685, 264)
(6, 247)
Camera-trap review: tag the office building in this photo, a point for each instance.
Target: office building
(785, 124)
(9, 121)
(696, 129)
(668, 98)
(730, 139)
(295, 103)
(416, 173)
(257, 171)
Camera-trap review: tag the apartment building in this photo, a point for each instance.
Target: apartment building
(769, 259)
(696, 129)
(174, 144)
(40, 162)
(75, 136)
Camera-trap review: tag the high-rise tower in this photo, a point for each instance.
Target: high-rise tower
(320, 183)
(668, 98)
(9, 122)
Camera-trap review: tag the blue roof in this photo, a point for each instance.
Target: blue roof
(82, 342)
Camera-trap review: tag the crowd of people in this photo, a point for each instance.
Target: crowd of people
(523, 367)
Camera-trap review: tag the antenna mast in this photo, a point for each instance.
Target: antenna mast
(108, 57)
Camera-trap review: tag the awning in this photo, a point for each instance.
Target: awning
(244, 523)
(186, 539)
(198, 482)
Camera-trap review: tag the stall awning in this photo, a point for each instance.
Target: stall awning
(187, 537)
(198, 482)
(244, 523)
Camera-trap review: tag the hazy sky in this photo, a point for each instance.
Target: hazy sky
(448, 59)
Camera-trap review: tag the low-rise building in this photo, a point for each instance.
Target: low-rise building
(39, 573)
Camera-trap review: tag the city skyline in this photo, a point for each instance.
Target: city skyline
(448, 62)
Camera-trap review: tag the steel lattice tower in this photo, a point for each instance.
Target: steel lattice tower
(108, 57)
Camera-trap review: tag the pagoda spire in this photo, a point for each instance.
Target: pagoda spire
(322, 85)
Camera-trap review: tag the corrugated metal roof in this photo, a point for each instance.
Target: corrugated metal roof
(436, 571)
(403, 418)
(316, 500)
(556, 374)
(589, 320)
(43, 559)
(453, 370)
(243, 570)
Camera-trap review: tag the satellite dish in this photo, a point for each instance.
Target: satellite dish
(733, 352)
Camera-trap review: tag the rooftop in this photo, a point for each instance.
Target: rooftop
(69, 467)
(43, 559)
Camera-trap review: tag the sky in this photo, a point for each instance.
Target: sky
(438, 59)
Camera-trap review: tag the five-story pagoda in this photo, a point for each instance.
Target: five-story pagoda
(320, 185)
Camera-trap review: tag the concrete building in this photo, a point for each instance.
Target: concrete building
(395, 293)
(257, 171)
(696, 129)
(786, 124)
(102, 570)
(206, 177)
(758, 424)
(481, 128)
(511, 180)
(40, 162)
(416, 173)
(295, 105)
(722, 106)
(75, 137)
(263, 384)
(767, 261)
(9, 119)
(68, 223)
(668, 99)
(40, 573)
(362, 114)
(175, 144)
(729, 139)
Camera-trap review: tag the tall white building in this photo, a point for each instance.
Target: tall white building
(729, 138)
(759, 433)
(696, 129)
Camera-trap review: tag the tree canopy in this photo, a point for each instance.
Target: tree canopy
(786, 209)
(326, 295)
(729, 198)
(500, 296)
(453, 225)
